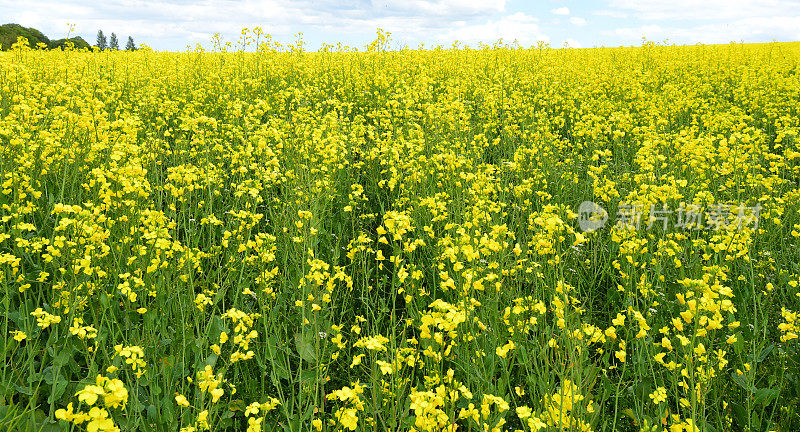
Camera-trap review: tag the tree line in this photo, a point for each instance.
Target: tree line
(113, 43)
(10, 33)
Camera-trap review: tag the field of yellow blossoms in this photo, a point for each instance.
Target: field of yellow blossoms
(285, 240)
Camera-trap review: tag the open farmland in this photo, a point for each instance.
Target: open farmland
(391, 240)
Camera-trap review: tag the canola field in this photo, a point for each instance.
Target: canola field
(286, 240)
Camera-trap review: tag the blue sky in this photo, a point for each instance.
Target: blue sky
(174, 24)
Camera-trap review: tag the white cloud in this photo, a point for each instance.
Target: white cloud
(572, 43)
(707, 10)
(519, 26)
(171, 24)
(611, 14)
(651, 32)
(577, 21)
(710, 21)
(440, 7)
(754, 29)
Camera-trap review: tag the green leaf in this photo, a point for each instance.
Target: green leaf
(152, 413)
(642, 390)
(308, 376)
(279, 374)
(764, 353)
(211, 360)
(292, 425)
(740, 414)
(15, 317)
(305, 347)
(24, 390)
(766, 395)
(63, 357)
(237, 405)
(740, 379)
(104, 301)
(738, 346)
(34, 377)
(57, 390)
(167, 410)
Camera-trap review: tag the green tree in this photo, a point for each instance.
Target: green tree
(10, 32)
(101, 40)
(114, 42)
(130, 45)
(76, 42)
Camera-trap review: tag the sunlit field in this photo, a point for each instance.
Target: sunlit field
(380, 240)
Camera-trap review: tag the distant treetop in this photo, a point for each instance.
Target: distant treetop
(9, 33)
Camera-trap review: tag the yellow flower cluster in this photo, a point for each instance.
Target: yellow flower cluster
(44, 319)
(113, 394)
(243, 335)
(134, 357)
